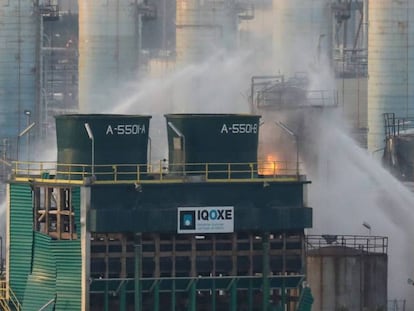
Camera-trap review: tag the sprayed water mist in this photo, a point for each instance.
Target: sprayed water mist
(350, 187)
(218, 85)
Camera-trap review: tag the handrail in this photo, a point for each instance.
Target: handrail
(370, 243)
(116, 283)
(3, 290)
(13, 299)
(3, 305)
(7, 296)
(161, 171)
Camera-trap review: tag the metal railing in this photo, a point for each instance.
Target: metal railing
(113, 285)
(369, 244)
(158, 172)
(396, 305)
(8, 298)
(395, 126)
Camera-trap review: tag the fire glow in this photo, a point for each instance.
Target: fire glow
(270, 166)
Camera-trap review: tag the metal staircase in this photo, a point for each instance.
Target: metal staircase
(8, 300)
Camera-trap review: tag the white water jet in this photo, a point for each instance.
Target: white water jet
(349, 187)
(218, 85)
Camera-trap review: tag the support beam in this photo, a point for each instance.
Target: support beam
(138, 272)
(265, 244)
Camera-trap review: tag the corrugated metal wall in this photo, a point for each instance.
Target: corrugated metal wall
(68, 277)
(41, 283)
(41, 268)
(20, 237)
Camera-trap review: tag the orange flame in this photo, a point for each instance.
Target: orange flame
(269, 166)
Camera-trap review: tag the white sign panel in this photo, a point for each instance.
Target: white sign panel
(211, 219)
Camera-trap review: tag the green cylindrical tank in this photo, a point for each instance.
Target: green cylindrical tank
(106, 145)
(214, 145)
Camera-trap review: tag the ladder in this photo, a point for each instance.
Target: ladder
(8, 300)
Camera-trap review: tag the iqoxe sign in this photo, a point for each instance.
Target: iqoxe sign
(211, 219)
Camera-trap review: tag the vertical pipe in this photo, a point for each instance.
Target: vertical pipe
(40, 96)
(193, 304)
(297, 155)
(122, 296)
(266, 285)
(123, 273)
(106, 296)
(106, 303)
(233, 295)
(365, 25)
(137, 272)
(213, 294)
(85, 236)
(173, 274)
(157, 295)
(1, 255)
(173, 296)
(19, 60)
(283, 294)
(93, 157)
(250, 295)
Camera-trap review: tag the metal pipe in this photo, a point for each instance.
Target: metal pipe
(22, 133)
(149, 153)
(28, 113)
(192, 303)
(90, 135)
(266, 271)
(179, 134)
(47, 304)
(290, 132)
(1, 255)
(137, 273)
(233, 295)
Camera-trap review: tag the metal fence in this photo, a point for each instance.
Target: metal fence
(162, 171)
(371, 244)
(396, 305)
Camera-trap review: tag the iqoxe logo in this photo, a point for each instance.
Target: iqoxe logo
(186, 220)
(215, 214)
(211, 219)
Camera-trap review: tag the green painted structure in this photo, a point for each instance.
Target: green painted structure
(41, 268)
(112, 139)
(117, 242)
(218, 139)
(277, 207)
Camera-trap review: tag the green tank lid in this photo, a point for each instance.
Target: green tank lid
(213, 138)
(117, 140)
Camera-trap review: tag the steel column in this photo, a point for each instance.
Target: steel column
(137, 273)
(266, 285)
(233, 299)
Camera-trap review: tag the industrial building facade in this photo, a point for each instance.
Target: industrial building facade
(204, 235)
